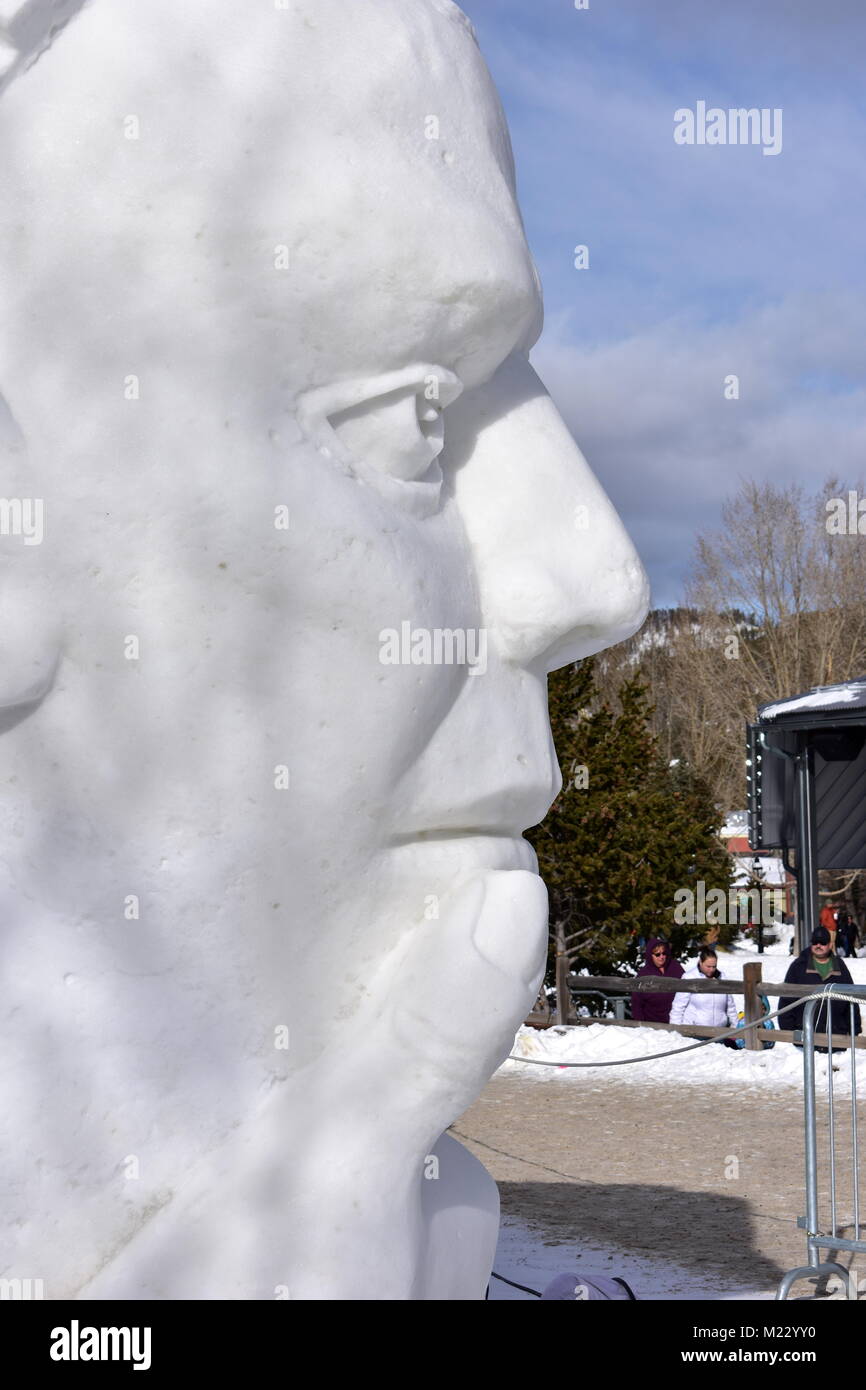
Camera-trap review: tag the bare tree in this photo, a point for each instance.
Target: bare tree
(776, 604)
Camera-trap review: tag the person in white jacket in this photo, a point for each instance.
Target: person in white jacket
(704, 1010)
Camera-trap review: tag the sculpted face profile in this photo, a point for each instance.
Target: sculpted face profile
(273, 683)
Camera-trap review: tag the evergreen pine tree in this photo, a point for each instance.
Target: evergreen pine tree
(626, 831)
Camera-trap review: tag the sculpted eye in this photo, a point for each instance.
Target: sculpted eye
(388, 429)
(398, 433)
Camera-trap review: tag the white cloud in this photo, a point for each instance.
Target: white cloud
(651, 415)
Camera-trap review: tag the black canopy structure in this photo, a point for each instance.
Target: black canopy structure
(806, 778)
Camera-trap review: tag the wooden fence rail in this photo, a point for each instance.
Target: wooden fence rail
(663, 984)
(751, 986)
(693, 1031)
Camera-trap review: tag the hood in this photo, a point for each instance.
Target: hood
(649, 966)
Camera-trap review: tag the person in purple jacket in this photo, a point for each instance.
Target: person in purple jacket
(656, 1008)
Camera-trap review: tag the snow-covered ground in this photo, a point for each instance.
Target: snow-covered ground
(523, 1257)
(533, 1257)
(781, 1065)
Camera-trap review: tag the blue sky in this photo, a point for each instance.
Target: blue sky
(704, 260)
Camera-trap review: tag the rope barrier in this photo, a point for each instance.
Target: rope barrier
(704, 1042)
(524, 1287)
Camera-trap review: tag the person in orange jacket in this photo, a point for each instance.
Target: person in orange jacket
(828, 920)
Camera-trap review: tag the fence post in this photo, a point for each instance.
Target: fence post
(753, 1006)
(563, 994)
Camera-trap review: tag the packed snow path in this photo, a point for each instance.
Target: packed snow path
(687, 1191)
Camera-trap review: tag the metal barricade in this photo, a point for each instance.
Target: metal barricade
(816, 1238)
(617, 1000)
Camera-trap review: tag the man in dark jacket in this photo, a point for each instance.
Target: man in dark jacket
(817, 966)
(846, 934)
(656, 1008)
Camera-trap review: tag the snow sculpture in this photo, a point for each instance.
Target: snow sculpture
(273, 673)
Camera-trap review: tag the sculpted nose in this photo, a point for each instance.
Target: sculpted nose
(559, 576)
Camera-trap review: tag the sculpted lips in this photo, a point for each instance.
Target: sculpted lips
(448, 852)
(511, 929)
(502, 814)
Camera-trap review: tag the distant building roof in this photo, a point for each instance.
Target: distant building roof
(739, 844)
(772, 871)
(823, 699)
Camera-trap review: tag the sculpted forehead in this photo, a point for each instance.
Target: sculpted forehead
(329, 187)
